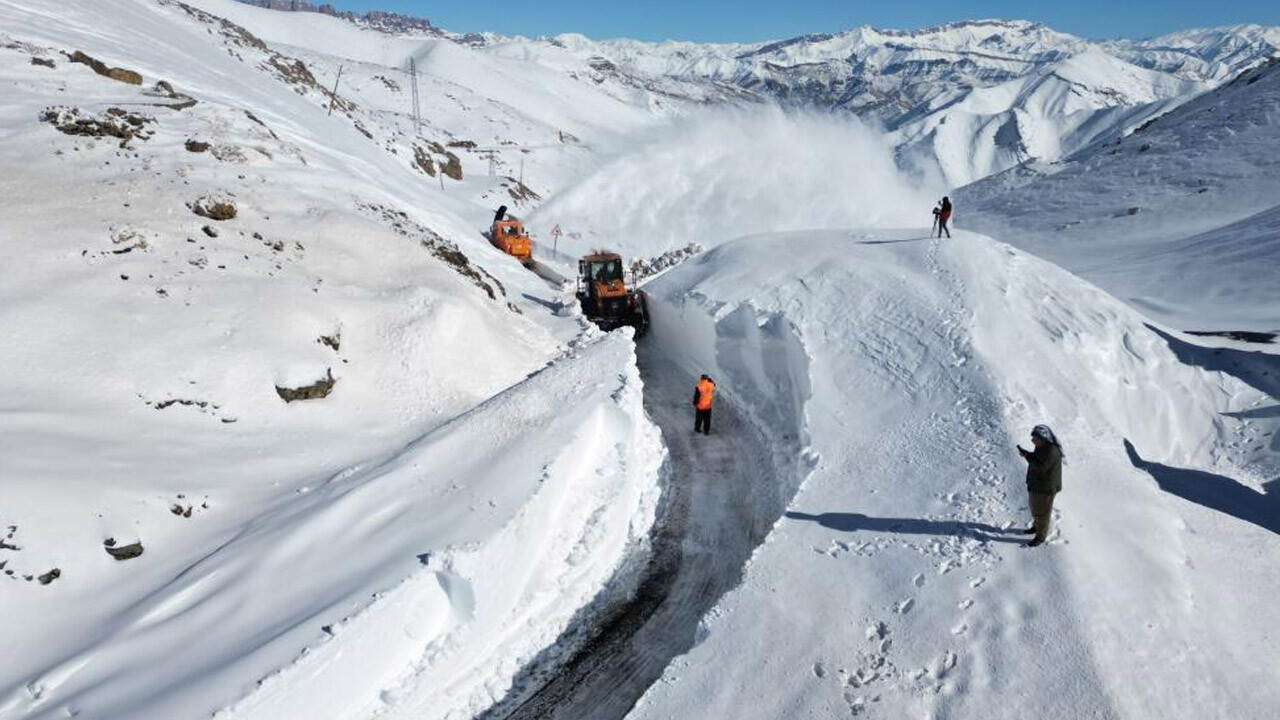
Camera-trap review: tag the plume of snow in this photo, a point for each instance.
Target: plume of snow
(719, 175)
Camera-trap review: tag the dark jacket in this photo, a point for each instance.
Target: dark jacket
(1044, 470)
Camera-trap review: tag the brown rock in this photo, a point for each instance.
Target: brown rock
(423, 161)
(315, 391)
(453, 168)
(123, 552)
(121, 74)
(214, 208)
(125, 76)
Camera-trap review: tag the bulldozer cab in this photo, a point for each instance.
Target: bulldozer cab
(605, 270)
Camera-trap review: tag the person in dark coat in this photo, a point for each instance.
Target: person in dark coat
(703, 393)
(944, 215)
(1044, 480)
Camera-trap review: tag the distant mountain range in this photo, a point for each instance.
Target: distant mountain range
(963, 100)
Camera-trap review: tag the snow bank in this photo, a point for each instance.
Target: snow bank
(720, 175)
(897, 581)
(414, 583)
(513, 538)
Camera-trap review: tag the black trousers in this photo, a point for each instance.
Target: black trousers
(942, 227)
(702, 421)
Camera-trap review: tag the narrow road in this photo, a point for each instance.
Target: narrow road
(719, 503)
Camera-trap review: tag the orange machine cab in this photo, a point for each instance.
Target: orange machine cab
(510, 238)
(605, 298)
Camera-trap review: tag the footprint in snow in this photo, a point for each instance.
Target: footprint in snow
(905, 606)
(918, 580)
(944, 664)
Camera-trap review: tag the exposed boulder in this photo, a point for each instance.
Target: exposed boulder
(214, 207)
(315, 391)
(115, 73)
(122, 552)
(115, 122)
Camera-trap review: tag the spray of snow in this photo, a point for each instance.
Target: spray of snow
(720, 175)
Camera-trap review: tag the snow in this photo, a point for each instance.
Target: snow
(924, 362)
(965, 99)
(727, 174)
(1177, 218)
(498, 510)
(1046, 114)
(451, 505)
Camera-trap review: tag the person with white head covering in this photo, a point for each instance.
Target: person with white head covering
(1044, 480)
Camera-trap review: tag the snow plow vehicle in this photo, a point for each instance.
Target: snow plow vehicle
(605, 298)
(508, 235)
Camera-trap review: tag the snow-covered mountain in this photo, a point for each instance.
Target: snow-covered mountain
(964, 100)
(1212, 54)
(282, 435)
(979, 96)
(1173, 217)
(1052, 111)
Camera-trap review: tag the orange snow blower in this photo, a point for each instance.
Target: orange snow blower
(508, 235)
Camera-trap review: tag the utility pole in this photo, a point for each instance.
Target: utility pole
(417, 106)
(334, 95)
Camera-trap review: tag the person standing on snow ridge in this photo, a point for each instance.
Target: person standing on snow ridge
(703, 394)
(944, 214)
(1044, 480)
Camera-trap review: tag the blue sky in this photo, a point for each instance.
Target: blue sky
(721, 20)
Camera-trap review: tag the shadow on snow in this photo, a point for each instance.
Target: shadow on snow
(1216, 492)
(853, 522)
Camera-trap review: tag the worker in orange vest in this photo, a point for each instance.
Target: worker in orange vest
(702, 396)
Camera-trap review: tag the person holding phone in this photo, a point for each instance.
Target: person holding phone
(1044, 480)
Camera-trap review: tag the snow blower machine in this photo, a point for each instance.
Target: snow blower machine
(508, 235)
(605, 298)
